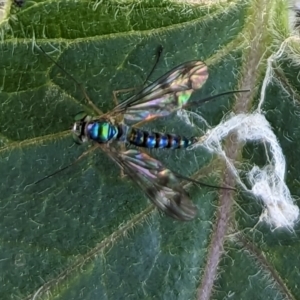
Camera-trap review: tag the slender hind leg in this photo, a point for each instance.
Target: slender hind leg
(69, 165)
(115, 93)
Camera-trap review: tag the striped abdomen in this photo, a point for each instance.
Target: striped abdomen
(142, 138)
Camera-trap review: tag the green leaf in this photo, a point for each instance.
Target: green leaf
(87, 232)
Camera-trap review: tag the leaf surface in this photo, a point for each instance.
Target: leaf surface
(88, 233)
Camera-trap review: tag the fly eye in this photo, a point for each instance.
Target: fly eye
(76, 132)
(81, 120)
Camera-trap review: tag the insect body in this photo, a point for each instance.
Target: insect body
(147, 139)
(167, 94)
(103, 131)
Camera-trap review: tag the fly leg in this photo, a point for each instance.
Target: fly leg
(69, 165)
(115, 93)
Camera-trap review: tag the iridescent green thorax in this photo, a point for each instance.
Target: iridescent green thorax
(101, 131)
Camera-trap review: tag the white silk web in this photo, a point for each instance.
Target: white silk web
(267, 182)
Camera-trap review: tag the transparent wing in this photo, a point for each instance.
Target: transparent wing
(170, 92)
(160, 184)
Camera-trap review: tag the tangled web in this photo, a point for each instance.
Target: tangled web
(268, 182)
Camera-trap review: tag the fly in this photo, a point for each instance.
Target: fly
(166, 95)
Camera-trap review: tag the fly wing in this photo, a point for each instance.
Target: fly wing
(170, 92)
(161, 185)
